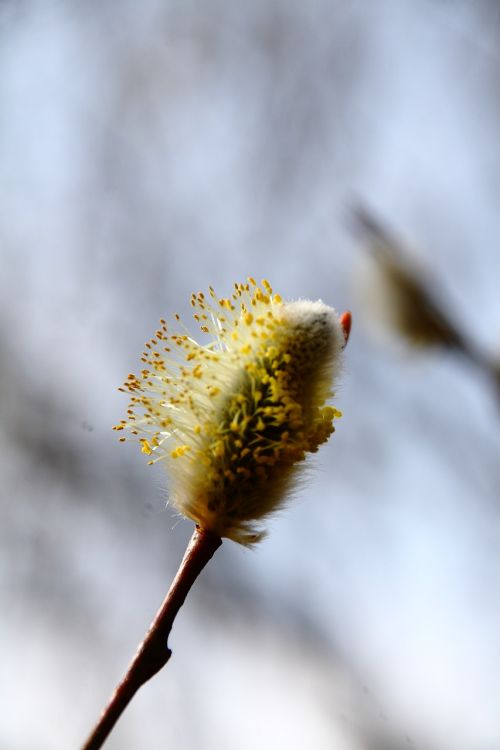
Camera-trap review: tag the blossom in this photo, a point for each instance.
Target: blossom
(233, 418)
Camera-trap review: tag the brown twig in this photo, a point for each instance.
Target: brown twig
(154, 653)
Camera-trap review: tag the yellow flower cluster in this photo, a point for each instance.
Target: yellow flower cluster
(232, 417)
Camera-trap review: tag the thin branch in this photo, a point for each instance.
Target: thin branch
(154, 653)
(484, 363)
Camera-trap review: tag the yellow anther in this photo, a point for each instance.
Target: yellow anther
(218, 449)
(330, 412)
(181, 450)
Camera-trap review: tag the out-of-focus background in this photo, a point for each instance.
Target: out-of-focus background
(148, 150)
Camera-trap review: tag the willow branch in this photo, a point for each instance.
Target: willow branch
(483, 362)
(154, 653)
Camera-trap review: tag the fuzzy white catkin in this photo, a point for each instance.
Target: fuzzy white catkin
(232, 418)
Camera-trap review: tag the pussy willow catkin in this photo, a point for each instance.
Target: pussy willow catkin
(233, 417)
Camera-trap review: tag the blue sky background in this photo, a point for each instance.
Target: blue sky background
(148, 150)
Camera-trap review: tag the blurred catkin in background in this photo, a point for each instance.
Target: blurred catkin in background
(403, 298)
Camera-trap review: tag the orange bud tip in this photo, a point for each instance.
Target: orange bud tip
(346, 323)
